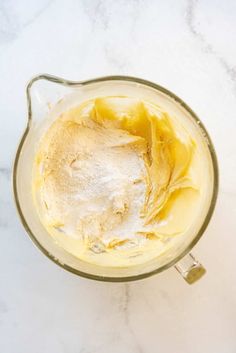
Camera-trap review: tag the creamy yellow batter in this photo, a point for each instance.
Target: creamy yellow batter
(115, 179)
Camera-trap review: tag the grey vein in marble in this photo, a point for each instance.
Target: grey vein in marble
(97, 13)
(102, 17)
(207, 47)
(3, 307)
(126, 302)
(11, 25)
(119, 58)
(5, 172)
(3, 223)
(5, 214)
(118, 62)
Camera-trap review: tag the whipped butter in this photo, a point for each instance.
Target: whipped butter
(115, 179)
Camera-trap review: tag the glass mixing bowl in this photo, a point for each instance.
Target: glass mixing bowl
(47, 97)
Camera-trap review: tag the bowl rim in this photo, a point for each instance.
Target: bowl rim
(149, 84)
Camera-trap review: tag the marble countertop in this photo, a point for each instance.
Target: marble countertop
(186, 46)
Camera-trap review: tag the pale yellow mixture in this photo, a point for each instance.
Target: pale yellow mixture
(114, 180)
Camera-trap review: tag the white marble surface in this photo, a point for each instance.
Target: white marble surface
(187, 46)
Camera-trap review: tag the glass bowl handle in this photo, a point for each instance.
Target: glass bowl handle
(190, 269)
(45, 90)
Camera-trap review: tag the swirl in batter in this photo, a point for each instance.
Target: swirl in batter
(113, 180)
